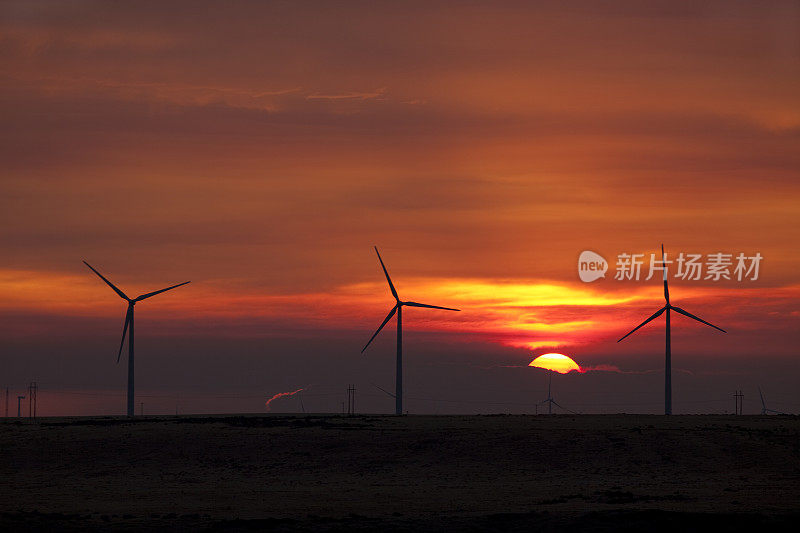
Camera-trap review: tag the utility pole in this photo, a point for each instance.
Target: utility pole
(33, 388)
(19, 406)
(351, 400)
(738, 398)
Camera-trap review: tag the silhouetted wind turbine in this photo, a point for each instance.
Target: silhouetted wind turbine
(550, 401)
(668, 365)
(764, 409)
(398, 308)
(129, 325)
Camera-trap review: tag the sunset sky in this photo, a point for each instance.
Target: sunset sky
(260, 150)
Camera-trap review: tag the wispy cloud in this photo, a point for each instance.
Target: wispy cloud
(376, 94)
(178, 93)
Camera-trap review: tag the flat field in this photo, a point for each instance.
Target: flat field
(386, 473)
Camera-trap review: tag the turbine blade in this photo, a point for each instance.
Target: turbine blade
(391, 286)
(685, 313)
(564, 408)
(124, 331)
(652, 317)
(384, 390)
(385, 320)
(121, 294)
(415, 304)
(149, 294)
(664, 264)
(763, 405)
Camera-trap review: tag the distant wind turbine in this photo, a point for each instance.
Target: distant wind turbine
(764, 409)
(550, 401)
(398, 308)
(668, 364)
(129, 325)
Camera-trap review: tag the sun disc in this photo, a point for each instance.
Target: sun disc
(556, 362)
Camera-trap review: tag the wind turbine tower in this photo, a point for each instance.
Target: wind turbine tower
(549, 401)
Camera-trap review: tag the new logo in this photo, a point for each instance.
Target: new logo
(591, 266)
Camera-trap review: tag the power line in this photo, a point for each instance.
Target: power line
(451, 400)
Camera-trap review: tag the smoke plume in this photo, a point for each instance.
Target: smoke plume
(281, 394)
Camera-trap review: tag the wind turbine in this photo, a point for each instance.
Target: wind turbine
(129, 325)
(398, 308)
(668, 307)
(550, 401)
(764, 409)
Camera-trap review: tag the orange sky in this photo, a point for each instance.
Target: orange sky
(260, 150)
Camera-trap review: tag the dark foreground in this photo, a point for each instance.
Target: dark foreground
(420, 473)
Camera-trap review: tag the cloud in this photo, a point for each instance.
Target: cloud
(497, 312)
(376, 94)
(261, 149)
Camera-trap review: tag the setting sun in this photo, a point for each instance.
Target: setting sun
(557, 362)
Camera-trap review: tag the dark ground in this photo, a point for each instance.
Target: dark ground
(415, 473)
